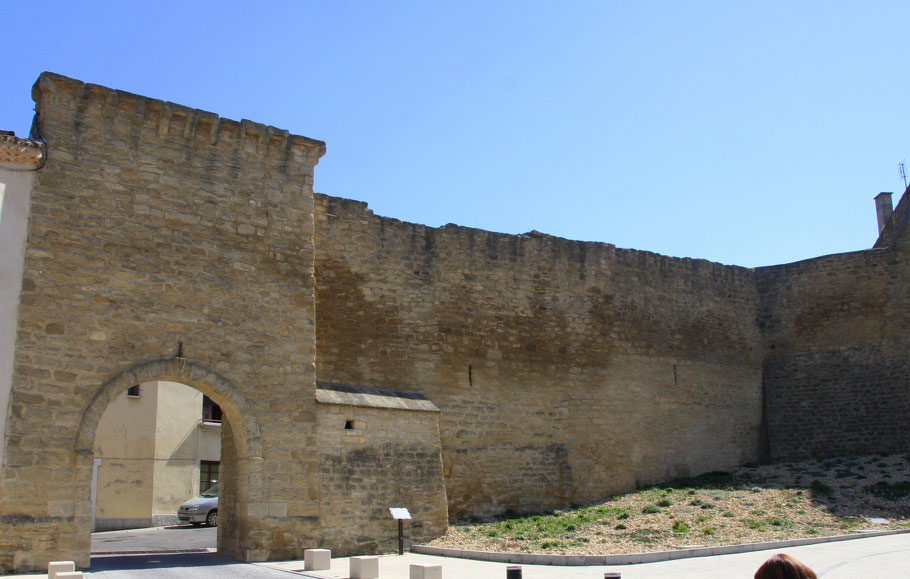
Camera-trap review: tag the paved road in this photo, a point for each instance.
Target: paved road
(869, 558)
(155, 539)
(180, 566)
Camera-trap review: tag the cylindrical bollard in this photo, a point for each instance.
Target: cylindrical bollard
(513, 572)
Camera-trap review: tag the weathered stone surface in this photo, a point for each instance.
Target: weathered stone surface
(564, 371)
(461, 372)
(135, 241)
(836, 332)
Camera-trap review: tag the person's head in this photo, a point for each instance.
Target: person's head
(783, 566)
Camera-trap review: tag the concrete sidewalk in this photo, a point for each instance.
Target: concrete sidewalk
(869, 558)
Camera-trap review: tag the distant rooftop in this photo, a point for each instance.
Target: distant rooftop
(19, 154)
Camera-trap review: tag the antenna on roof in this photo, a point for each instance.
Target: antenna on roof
(903, 171)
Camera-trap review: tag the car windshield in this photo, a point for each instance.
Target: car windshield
(212, 491)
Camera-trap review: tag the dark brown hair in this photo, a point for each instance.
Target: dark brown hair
(783, 566)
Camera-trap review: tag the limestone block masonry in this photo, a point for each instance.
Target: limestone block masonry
(461, 373)
(156, 230)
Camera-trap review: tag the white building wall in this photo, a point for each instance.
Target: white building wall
(15, 196)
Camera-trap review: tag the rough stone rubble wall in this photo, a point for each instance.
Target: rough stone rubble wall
(388, 458)
(836, 331)
(565, 371)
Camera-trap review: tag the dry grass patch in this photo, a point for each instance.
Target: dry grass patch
(766, 503)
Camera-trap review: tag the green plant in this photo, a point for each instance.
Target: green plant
(550, 544)
(620, 527)
(650, 509)
(680, 527)
(728, 514)
(708, 531)
(664, 502)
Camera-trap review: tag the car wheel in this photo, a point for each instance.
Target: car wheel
(212, 518)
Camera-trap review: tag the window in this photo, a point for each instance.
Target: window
(208, 474)
(211, 412)
(134, 391)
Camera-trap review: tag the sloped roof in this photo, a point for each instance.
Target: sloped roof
(19, 154)
(367, 396)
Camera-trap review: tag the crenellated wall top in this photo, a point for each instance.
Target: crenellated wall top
(125, 113)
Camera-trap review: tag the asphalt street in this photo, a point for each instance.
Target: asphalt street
(179, 538)
(177, 566)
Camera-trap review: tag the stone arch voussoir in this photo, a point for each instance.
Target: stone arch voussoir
(209, 382)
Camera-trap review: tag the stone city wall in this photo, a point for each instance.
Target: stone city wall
(564, 371)
(836, 331)
(526, 372)
(154, 225)
(372, 459)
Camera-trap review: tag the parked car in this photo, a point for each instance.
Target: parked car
(201, 509)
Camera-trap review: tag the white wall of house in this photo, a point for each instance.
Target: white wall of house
(150, 448)
(15, 195)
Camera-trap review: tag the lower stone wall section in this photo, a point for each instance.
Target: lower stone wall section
(843, 402)
(372, 459)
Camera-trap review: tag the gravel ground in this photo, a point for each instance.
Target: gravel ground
(746, 505)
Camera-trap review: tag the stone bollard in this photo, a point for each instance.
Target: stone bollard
(513, 572)
(364, 567)
(317, 559)
(426, 571)
(54, 568)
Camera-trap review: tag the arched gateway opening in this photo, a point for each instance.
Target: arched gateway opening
(241, 443)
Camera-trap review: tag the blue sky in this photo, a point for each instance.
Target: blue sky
(745, 133)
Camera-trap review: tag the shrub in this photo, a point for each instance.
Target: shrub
(664, 502)
(620, 527)
(550, 544)
(650, 509)
(680, 527)
(708, 530)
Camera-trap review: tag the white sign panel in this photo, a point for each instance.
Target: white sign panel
(400, 513)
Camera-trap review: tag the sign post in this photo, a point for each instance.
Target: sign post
(400, 515)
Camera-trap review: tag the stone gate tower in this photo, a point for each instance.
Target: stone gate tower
(166, 243)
